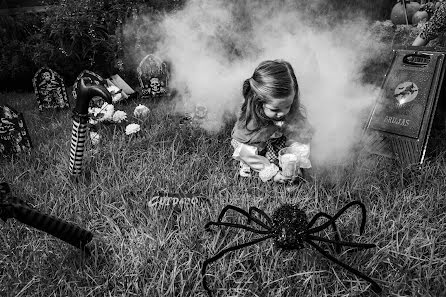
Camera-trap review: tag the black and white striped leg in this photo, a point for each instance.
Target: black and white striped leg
(78, 138)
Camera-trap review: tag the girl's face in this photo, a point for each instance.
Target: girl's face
(277, 108)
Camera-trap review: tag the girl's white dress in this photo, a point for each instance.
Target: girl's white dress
(258, 150)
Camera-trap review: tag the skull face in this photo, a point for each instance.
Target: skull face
(155, 84)
(46, 76)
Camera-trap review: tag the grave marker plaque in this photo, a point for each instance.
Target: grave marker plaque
(14, 136)
(153, 77)
(401, 120)
(50, 90)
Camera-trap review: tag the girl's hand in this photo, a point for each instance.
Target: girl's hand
(280, 178)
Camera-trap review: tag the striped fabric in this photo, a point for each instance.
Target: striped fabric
(12, 207)
(78, 138)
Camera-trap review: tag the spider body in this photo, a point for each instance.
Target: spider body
(291, 230)
(289, 225)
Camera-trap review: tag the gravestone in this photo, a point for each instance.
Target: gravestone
(90, 78)
(401, 121)
(153, 77)
(14, 136)
(50, 90)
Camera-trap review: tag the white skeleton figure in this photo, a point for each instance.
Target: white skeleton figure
(50, 89)
(155, 85)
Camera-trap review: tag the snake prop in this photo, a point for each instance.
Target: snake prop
(13, 207)
(80, 120)
(290, 229)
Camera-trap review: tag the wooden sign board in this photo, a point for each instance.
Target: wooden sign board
(401, 120)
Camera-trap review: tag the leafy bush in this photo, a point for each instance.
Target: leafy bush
(70, 37)
(16, 67)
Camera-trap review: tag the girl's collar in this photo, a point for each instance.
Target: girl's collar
(279, 123)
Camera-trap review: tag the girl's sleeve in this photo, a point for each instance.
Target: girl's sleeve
(436, 24)
(303, 153)
(249, 155)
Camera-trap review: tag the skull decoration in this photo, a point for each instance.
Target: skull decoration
(155, 85)
(153, 77)
(50, 90)
(46, 76)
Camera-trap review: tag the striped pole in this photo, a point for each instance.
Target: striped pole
(80, 120)
(78, 138)
(13, 207)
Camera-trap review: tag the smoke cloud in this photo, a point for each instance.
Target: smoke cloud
(214, 45)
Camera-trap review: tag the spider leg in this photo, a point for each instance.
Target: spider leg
(221, 254)
(338, 214)
(253, 209)
(333, 225)
(344, 243)
(240, 226)
(375, 287)
(243, 212)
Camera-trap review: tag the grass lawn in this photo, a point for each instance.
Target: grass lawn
(140, 251)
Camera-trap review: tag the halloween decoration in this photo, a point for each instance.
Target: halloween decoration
(141, 111)
(124, 91)
(132, 129)
(90, 78)
(403, 11)
(50, 90)
(290, 229)
(14, 136)
(404, 112)
(153, 77)
(84, 95)
(13, 207)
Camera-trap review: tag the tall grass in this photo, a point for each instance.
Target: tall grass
(140, 251)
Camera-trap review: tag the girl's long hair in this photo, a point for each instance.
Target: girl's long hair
(271, 79)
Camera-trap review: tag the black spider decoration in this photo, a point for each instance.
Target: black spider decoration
(290, 229)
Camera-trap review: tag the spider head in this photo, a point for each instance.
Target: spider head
(289, 223)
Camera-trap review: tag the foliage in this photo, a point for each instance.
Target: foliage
(16, 65)
(71, 36)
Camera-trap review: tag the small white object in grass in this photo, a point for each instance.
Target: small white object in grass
(106, 109)
(141, 111)
(95, 138)
(117, 97)
(119, 116)
(92, 121)
(115, 92)
(132, 128)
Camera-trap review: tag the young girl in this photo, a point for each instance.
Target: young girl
(270, 119)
